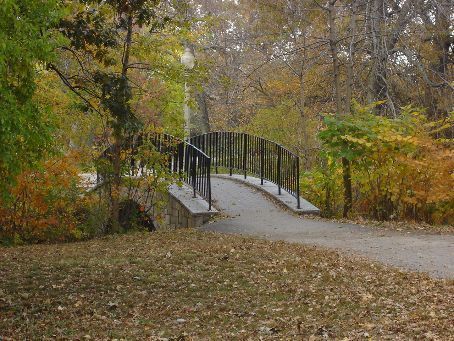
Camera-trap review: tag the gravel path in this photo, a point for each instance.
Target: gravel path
(251, 213)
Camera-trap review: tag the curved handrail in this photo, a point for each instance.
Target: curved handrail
(255, 155)
(190, 162)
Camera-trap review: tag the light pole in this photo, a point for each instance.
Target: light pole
(188, 60)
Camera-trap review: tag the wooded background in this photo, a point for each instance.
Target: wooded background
(361, 90)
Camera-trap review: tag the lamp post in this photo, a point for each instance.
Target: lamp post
(188, 60)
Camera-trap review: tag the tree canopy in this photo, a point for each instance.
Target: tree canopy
(27, 44)
(360, 90)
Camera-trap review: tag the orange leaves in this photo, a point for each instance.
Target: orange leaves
(44, 203)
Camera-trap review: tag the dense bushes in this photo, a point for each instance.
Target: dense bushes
(52, 204)
(401, 168)
(47, 204)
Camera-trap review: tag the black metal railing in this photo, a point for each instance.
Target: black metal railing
(191, 164)
(253, 155)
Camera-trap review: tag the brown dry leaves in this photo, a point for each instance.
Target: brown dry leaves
(187, 284)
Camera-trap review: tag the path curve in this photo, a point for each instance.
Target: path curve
(250, 212)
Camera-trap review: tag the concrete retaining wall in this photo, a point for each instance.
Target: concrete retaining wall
(177, 215)
(183, 210)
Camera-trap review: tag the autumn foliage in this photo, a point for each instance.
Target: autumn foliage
(44, 203)
(401, 168)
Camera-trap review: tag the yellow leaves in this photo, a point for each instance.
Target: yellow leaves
(283, 86)
(396, 139)
(399, 168)
(363, 142)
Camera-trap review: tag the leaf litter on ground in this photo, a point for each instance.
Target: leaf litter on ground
(191, 285)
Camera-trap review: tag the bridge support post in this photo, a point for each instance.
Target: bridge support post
(230, 153)
(209, 183)
(279, 166)
(194, 173)
(262, 161)
(298, 183)
(216, 151)
(245, 155)
(180, 160)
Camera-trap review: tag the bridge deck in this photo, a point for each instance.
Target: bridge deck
(270, 189)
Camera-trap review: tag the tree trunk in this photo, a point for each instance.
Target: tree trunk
(334, 55)
(438, 100)
(203, 112)
(115, 186)
(119, 132)
(347, 179)
(350, 59)
(377, 76)
(303, 126)
(333, 41)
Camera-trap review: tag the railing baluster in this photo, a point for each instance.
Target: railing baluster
(298, 182)
(245, 155)
(279, 170)
(221, 149)
(230, 153)
(262, 160)
(209, 182)
(193, 171)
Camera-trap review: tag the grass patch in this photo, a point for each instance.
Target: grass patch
(187, 284)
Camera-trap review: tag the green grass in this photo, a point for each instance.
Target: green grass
(224, 287)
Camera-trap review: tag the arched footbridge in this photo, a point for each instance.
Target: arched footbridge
(199, 157)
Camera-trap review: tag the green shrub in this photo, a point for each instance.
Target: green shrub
(400, 168)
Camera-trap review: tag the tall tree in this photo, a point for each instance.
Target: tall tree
(108, 41)
(340, 108)
(26, 45)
